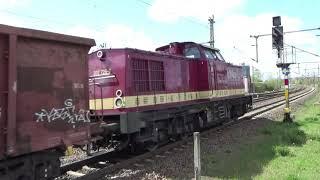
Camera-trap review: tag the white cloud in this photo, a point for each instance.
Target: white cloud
(13, 3)
(124, 36)
(8, 16)
(233, 30)
(8, 19)
(116, 36)
(173, 10)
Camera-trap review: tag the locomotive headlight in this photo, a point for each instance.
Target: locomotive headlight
(101, 55)
(118, 102)
(118, 93)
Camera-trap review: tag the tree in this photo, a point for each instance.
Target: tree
(269, 84)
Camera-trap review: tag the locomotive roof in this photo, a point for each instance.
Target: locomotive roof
(137, 50)
(187, 42)
(157, 53)
(216, 49)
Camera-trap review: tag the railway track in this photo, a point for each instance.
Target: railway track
(270, 95)
(294, 94)
(103, 164)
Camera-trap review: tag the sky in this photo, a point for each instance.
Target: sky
(148, 24)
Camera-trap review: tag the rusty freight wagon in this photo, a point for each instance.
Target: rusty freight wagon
(43, 100)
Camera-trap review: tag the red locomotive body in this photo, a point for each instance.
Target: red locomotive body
(150, 96)
(43, 100)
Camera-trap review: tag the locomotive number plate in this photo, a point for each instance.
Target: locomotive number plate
(102, 72)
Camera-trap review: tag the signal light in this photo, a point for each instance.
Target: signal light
(276, 21)
(277, 37)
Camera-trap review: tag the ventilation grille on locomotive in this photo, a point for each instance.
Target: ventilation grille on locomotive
(148, 75)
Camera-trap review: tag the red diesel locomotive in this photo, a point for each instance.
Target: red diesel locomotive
(141, 97)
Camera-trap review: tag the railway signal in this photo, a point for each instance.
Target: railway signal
(277, 35)
(277, 43)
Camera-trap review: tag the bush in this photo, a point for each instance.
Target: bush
(282, 151)
(295, 136)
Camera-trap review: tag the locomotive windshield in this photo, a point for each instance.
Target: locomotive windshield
(191, 52)
(209, 54)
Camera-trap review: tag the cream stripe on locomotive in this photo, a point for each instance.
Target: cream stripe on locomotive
(147, 100)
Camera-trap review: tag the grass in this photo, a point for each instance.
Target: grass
(282, 151)
(278, 151)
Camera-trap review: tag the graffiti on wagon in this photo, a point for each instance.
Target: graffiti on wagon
(67, 113)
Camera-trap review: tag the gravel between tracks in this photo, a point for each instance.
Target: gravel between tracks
(179, 163)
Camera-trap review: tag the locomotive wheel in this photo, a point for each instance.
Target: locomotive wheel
(198, 123)
(122, 145)
(134, 148)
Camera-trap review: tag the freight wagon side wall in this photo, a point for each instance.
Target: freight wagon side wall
(43, 90)
(4, 41)
(51, 94)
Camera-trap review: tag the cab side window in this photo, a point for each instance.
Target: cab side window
(219, 56)
(209, 54)
(191, 52)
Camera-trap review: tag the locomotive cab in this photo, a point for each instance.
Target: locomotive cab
(192, 50)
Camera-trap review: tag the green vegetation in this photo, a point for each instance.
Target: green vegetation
(267, 85)
(277, 151)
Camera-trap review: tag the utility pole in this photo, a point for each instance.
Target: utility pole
(314, 79)
(318, 75)
(306, 76)
(292, 57)
(278, 80)
(253, 81)
(257, 50)
(211, 22)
